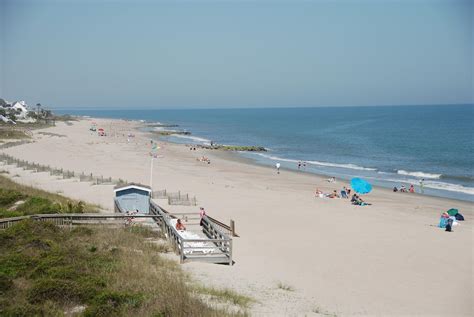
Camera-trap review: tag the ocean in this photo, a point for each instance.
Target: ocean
(388, 146)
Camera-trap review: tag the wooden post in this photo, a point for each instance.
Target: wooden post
(181, 258)
(232, 227)
(230, 252)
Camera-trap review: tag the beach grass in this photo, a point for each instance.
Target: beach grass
(225, 295)
(13, 133)
(51, 271)
(321, 311)
(20, 200)
(285, 287)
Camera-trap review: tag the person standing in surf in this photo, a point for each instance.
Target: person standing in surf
(422, 185)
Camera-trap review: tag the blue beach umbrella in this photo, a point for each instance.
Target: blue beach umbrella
(361, 186)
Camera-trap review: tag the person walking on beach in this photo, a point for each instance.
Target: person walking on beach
(299, 165)
(277, 165)
(422, 185)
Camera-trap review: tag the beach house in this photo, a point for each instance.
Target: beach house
(21, 109)
(132, 198)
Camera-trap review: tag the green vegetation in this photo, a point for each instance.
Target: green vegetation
(225, 295)
(13, 133)
(65, 117)
(49, 271)
(19, 200)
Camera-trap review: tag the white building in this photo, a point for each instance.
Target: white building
(22, 109)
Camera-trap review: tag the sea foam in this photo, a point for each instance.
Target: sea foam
(193, 138)
(317, 163)
(419, 174)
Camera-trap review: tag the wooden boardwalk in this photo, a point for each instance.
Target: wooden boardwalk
(211, 242)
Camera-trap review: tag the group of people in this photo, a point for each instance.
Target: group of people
(344, 193)
(403, 189)
(128, 221)
(301, 164)
(411, 189)
(449, 219)
(357, 200)
(181, 227)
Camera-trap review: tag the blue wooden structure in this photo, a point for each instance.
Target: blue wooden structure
(132, 197)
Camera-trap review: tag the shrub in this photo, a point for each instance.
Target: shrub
(9, 213)
(6, 283)
(109, 303)
(8, 197)
(62, 291)
(39, 205)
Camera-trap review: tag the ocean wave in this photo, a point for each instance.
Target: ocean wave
(419, 174)
(317, 163)
(349, 166)
(428, 184)
(161, 129)
(193, 138)
(450, 187)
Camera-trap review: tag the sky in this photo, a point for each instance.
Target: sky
(206, 54)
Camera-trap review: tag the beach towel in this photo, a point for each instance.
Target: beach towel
(443, 222)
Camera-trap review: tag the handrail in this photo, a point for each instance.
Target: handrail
(220, 239)
(8, 222)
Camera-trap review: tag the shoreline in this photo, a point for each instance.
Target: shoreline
(336, 257)
(237, 157)
(319, 177)
(443, 186)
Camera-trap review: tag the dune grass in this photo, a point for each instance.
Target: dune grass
(285, 287)
(51, 271)
(225, 295)
(20, 200)
(11, 133)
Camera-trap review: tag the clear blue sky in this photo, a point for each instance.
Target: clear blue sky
(182, 54)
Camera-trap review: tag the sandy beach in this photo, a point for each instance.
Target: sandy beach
(334, 258)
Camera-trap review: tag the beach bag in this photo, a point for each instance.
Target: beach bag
(459, 217)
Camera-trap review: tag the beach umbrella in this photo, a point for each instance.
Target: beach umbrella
(452, 212)
(361, 186)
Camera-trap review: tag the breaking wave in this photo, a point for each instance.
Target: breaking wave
(317, 163)
(419, 174)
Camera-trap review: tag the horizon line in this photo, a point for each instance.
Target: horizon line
(247, 107)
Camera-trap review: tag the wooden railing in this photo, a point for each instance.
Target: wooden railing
(175, 198)
(75, 219)
(98, 180)
(217, 240)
